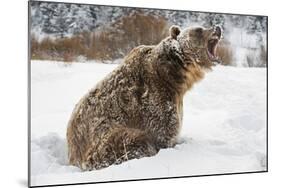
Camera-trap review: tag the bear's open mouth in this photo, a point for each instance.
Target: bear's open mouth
(213, 43)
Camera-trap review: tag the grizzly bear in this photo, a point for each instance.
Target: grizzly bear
(138, 108)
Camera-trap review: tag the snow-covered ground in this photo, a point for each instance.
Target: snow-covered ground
(224, 129)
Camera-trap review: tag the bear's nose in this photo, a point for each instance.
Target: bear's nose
(217, 30)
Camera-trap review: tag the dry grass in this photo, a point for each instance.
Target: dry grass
(110, 43)
(125, 34)
(65, 49)
(225, 53)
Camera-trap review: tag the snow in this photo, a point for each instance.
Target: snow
(224, 127)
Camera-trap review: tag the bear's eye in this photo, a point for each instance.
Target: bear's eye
(199, 30)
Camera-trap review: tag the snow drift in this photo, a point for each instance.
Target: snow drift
(224, 128)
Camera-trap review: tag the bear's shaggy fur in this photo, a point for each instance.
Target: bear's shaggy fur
(137, 109)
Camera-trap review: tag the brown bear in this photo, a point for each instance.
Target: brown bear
(137, 109)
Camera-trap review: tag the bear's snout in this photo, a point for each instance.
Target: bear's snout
(217, 31)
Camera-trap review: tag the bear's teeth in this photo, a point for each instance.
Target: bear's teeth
(215, 37)
(210, 54)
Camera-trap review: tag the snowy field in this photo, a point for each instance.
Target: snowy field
(224, 129)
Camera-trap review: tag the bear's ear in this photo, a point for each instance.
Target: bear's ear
(174, 31)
